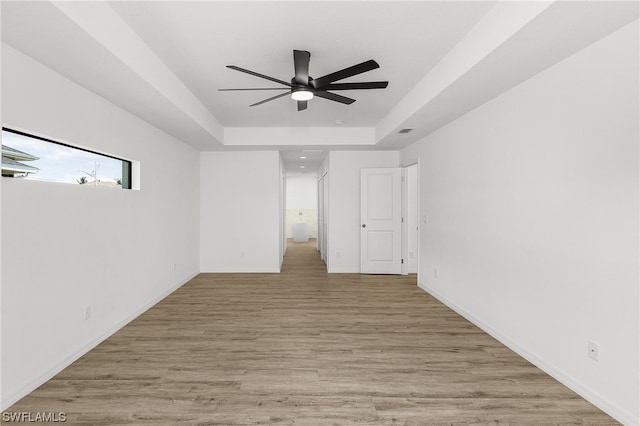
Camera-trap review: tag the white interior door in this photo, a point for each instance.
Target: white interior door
(380, 221)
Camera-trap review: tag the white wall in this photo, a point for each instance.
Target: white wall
(65, 247)
(344, 204)
(302, 197)
(531, 203)
(240, 211)
(302, 192)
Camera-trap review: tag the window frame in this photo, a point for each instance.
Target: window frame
(126, 164)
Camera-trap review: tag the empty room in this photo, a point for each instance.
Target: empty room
(320, 212)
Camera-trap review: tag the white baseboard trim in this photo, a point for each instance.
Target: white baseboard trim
(15, 396)
(343, 270)
(623, 416)
(241, 271)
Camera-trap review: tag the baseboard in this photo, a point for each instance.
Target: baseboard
(343, 270)
(15, 396)
(241, 271)
(612, 409)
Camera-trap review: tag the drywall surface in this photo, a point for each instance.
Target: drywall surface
(302, 192)
(240, 211)
(302, 203)
(344, 204)
(529, 214)
(66, 248)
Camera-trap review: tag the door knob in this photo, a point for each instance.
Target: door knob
(364, 225)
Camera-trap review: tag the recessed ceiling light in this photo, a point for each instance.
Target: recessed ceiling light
(338, 121)
(303, 157)
(302, 167)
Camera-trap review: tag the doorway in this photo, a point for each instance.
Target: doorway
(301, 208)
(410, 214)
(389, 234)
(323, 216)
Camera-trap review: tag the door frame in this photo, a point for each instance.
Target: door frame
(405, 213)
(322, 242)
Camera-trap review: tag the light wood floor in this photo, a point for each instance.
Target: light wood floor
(305, 347)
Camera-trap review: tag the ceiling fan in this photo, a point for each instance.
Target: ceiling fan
(303, 87)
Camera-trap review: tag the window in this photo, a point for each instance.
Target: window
(36, 158)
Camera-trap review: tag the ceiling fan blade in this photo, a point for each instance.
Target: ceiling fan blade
(301, 65)
(270, 99)
(369, 65)
(258, 88)
(302, 105)
(233, 67)
(334, 97)
(357, 86)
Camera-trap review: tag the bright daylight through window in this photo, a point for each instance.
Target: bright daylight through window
(35, 158)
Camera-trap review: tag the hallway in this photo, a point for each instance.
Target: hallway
(303, 258)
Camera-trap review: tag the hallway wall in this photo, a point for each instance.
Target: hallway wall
(240, 211)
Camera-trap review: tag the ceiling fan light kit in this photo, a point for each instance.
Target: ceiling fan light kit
(301, 93)
(303, 87)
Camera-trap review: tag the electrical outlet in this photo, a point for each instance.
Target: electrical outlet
(175, 267)
(435, 272)
(337, 255)
(594, 351)
(241, 255)
(87, 312)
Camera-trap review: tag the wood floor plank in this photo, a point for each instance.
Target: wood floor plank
(307, 348)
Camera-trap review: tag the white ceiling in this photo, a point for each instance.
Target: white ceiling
(197, 41)
(164, 61)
